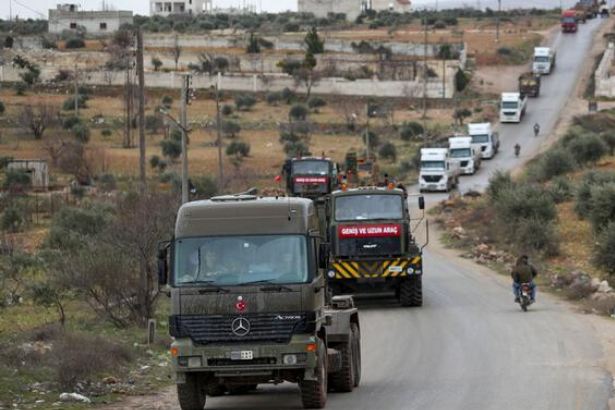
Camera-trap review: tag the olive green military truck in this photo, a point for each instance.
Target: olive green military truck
(249, 303)
(373, 247)
(310, 177)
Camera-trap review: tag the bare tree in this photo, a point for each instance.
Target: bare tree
(54, 148)
(177, 51)
(307, 78)
(36, 119)
(351, 110)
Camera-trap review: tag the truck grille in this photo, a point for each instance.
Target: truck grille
(432, 178)
(464, 163)
(370, 246)
(260, 361)
(217, 329)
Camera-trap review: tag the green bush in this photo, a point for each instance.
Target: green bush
(298, 112)
(69, 103)
(560, 190)
(227, 110)
(609, 140)
(171, 149)
(17, 180)
(167, 101)
(536, 234)
(296, 148)
(75, 42)
(107, 182)
(504, 51)
(106, 133)
(70, 226)
(245, 102)
(288, 95)
(13, 220)
(316, 102)
(499, 182)
(204, 186)
(604, 251)
(583, 194)
(555, 162)
(388, 151)
(273, 98)
(154, 161)
(81, 132)
(238, 148)
(587, 149)
(70, 122)
(602, 205)
(230, 129)
(410, 131)
(524, 202)
(374, 139)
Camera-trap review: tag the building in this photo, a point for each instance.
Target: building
(352, 8)
(69, 17)
(37, 169)
(166, 8)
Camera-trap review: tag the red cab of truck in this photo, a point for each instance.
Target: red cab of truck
(569, 21)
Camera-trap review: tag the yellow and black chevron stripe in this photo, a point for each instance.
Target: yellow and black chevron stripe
(375, 269)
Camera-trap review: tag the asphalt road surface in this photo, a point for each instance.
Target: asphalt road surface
(469, 346)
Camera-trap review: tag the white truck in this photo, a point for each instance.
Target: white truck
(465, 153)
(485, 139)
(438, 172)
(544, 60)
(512, 107)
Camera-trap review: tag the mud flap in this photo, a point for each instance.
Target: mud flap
(334, 358)
(309, 374)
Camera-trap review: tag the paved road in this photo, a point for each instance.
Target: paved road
(469, 347)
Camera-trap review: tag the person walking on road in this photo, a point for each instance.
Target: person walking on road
(523, 272)
(536, 129)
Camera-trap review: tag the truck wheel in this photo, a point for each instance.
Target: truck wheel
(215, 390)
(355, 333)
(314, 392)
(343, 381)
(191, 394)
(411, 292)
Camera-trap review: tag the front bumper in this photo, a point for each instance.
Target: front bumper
(224, 361)
(375, 269)
(441, 185)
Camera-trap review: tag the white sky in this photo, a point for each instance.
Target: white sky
(30, 8)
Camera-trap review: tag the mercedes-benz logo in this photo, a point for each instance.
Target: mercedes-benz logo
(240, 326)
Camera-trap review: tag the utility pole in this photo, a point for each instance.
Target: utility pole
(76, 91)
(185, 95)
(425, 81)
(219, 138)
(141, 78)
(367, 138)
(497, 22)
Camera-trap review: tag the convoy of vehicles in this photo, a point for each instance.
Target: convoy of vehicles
(544, 60)
(529, 84)
(485, 139)
(512, 107)
(587, 9)
(468, 155)
(372, 244)
(437, 171)
(249, 302)
(310, 177)
(569, 22)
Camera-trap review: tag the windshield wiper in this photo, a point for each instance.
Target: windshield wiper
(275, 286)
(210, 286)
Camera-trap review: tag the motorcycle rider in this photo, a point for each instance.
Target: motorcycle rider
(536, 129)
(517, 149)
(523, 272)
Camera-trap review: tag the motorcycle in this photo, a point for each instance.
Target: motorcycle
(517, 150)
(536, 129)
(525, 296)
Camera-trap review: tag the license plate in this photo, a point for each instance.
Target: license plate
(242, 355)
(431, 187)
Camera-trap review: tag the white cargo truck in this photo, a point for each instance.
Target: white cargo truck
(467, 155)
(512, 107)
(544, 60)
(438, 172)
(485, 139)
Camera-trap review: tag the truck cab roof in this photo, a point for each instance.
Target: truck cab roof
(542, 51)
(511, 96)
(479, 128)
(367, 190)
(246, 214)
(460, 142)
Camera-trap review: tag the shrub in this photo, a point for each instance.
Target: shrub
(17, 180)
(171, 149)
(75, 42)
(220, 64)
(227, 110)
(156, 63)
(167, 101)
(230, 129)
(604, 251)
(602, 205)
(524, 202)
(288, 95)
(583, 194)
(107, 182)
(410, 130)
(504, 51)
(20, 89)
(439, 25)
(498, 182)
(81, 132)
(244, 102)
(296, 148)
(589, 148)
(537, 234)
(461, 114)
(560, 190)
(316, 102)
(374, 139)
(204, 186)
(298, 112)
(239, 149)
(70, 122)
(555, 162)
(12, 220)
(388, 151)
(69, 103)
(609, 140)
(70, 226)
(154, 123)
(461, 80)
(273, 98)
(154, 161)
(106, 133)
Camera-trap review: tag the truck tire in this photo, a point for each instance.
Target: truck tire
(343, 380)
(191, 394)
(314, 392)
(355, 332)
(215, 390)
(411, 292)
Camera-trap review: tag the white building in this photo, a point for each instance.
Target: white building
(168, 7)
(37, 170)
(69, 17)
(352, 8)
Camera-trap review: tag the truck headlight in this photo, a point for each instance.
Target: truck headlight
(292, 359)
(195, 361)
(331, 274)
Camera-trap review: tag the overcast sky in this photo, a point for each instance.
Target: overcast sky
(38, 8)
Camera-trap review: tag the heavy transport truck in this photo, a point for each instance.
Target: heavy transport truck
(529, 84)
(249, 302)
(373, 248)
(512, 107)
(569, 21)
(438, 172)
(310, 177)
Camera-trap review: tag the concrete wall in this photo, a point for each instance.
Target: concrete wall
(320, 8)
(60, 20)
(605, 83)
(37, 170)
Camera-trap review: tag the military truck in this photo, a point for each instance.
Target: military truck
(529, 84)
(373, 248)
(310, 177)
(249, 303)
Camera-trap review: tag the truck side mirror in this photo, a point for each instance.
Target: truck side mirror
(163, 266)
(421, 202)
(323, 255)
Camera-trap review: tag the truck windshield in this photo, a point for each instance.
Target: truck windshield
(368, 207)
(569, 20)
(310, 167)
(432, 165)
(480, 138)
(461, 152)
(236, 260)
(541, 59)
(509, 105)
